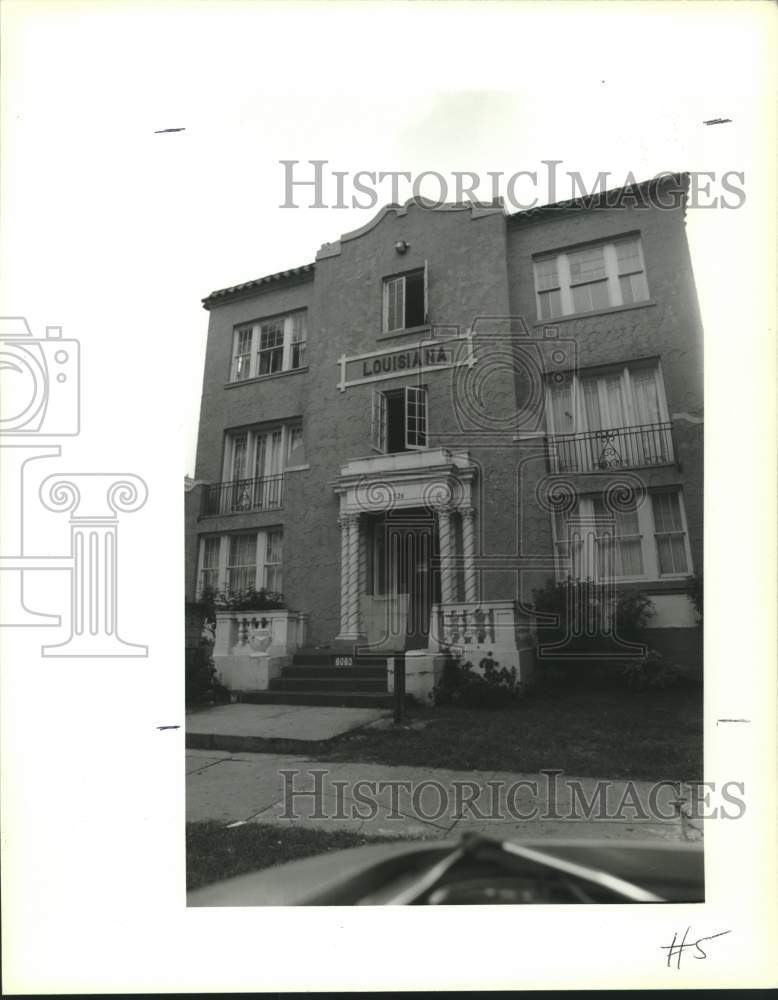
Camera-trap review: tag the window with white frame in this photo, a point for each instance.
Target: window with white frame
(209, 570)
(255, 462)
(648, 541)
(236, 563)
(611, 418)
(670, 535)
(295, 448)
(273, 568)
(298, 337)
(241, 563)
(405, 300)
(270, 353)
(268, 346)
(399, 419)
(590, 278)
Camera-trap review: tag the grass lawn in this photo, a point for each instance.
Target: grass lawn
(649, 735)
(214, 852)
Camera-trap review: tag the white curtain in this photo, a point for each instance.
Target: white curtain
(646, 395)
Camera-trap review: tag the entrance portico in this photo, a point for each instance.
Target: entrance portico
(407, 541)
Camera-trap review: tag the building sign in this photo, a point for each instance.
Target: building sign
(449, 350)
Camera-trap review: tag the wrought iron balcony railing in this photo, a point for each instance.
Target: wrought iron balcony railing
(616, 448)
(242, 495)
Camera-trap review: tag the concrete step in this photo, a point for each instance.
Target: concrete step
(346, 673)
(347, 699)
(319, 683)
(342, 658)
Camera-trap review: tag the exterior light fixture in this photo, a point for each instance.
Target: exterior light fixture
(401, 246)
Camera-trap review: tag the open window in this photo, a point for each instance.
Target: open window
(405, 300)
(399, 419)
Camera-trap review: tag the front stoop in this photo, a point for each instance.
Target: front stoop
(320, 678)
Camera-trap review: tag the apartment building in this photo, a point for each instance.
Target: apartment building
(450, 406)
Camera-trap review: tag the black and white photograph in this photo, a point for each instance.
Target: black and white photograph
(381, 385)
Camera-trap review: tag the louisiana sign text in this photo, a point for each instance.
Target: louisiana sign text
(449, 350)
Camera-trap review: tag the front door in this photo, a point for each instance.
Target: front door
(404, 548)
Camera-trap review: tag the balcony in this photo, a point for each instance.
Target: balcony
(244, 495)
(617, 448)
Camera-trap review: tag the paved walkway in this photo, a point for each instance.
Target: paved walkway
(240, 788)
(278, 722)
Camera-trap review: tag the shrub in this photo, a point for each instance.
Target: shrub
(246, 600)
(695, 593)
(462, 685)
(652, 671)
(201, 685)
(629, 610)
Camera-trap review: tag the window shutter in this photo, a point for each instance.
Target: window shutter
(378, 421)
(415, 417)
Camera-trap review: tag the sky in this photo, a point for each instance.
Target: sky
(117, 233)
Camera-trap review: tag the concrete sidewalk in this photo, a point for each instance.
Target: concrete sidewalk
(249, 728)
(235, 789)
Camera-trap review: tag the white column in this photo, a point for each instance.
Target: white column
(468, 554)
(353, 574)
(344, 568)
(362, 589)
(447, 580)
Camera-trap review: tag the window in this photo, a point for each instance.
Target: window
(242, 563)
(255, 463)
(616, 418)
(405, 300)
(270, 355)
(619, 543)
(234, 564)
(399, 419)
(269, 346)
(209, 573)
(272, 577)
(669, 534)
(647, 542)
(295, 449)
(590, 279)
(241, 366)
(297, 359)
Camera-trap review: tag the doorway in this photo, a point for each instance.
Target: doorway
(405, 560)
